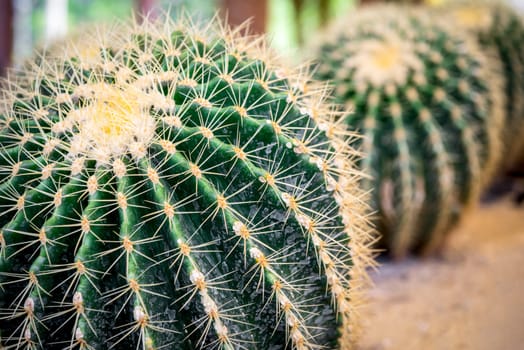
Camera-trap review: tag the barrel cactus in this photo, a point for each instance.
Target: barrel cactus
(171, 186)
(426, 101)
(498, 27)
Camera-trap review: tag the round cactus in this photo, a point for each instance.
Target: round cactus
(499, 28)
(169, 187)
(426, 102)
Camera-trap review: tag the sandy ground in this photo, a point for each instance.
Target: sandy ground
(472, 297)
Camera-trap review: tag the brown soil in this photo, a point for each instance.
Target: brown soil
(472, 297)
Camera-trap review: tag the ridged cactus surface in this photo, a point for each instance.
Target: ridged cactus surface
(424, 99)
(499, 28)
(170, 187)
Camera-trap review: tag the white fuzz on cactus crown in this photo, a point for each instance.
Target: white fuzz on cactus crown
(382, 61)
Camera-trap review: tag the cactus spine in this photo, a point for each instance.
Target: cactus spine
(170, 186)
(425, 101)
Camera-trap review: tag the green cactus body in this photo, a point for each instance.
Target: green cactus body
(500, 29)
(171, 188)
(423, 100)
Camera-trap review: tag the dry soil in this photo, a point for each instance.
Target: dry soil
(471, 297)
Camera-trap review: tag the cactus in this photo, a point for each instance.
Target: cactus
(426, 101)
(499, 28)
(171, 186)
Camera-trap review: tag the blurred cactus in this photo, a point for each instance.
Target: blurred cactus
(498, 27)
(426, 101)
(171, 186)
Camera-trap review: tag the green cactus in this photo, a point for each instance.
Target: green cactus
(499, 28)
(172, 187)
(426, 102)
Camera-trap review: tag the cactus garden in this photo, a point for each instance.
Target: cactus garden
(171, 177)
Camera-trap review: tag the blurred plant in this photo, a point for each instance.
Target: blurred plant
(367, 2)
(322, 6)
(498, 27)
(81, 12)
(200, 10)
(428, 104)
(309, 15)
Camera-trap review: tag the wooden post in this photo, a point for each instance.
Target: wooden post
(238, 11)
(6, 34)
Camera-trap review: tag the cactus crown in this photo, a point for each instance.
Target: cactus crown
(384, 60)
(425, 101)
(170, 186)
